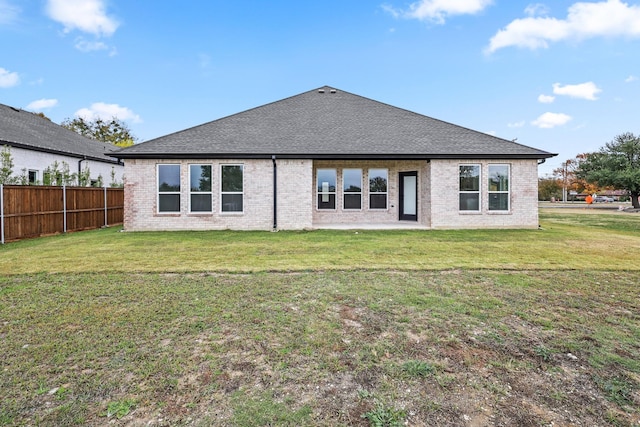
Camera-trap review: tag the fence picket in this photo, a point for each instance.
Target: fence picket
(32, 211)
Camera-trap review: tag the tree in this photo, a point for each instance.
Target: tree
(548, 188)
(113, 131)
(617, 164)
(570, 181)
(6, 165)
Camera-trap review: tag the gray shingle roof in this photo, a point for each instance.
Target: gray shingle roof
(333, 124)
(22, 129)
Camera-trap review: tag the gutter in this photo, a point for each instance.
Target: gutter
(80, 167)
(275, 193)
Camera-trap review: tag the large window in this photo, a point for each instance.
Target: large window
(378, 188)
(232, 188)
(352, 188)
(168, 188)
(200, 197)
(326, 186)
(498, 187)
(470, 188)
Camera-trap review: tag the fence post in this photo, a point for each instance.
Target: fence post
(106, 221)
(64, 207)
(2, 213)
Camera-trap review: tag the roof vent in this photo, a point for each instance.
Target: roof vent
(320, 90)
(333, 91)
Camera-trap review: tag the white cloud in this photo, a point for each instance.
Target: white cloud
(87, 46)
(546, 99)
(630, 79)
(92, 46)
(551, 120)
(88, 16)
(537, 9)
(586, 90)
(107, 112)
(8, 12)
(516, 124)
(8, 79)
(437, 10)
(42, 104)
(608, 18)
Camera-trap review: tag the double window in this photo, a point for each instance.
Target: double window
(352, 188)
(200, 194)
(378, 179)
(499, 187)
(326, 188)
(168, 188)
(469, 188)
(232, 188)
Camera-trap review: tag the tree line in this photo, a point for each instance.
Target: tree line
(616, 166)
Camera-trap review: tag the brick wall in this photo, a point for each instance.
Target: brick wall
(523, 185)
(365, 215)
(294, 206)
(438, 202)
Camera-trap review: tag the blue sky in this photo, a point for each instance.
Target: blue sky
(562, 76)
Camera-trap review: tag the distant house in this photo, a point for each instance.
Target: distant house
(328, 158)
(36, 143)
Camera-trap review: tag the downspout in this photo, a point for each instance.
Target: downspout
(275, 194)
(80, 168)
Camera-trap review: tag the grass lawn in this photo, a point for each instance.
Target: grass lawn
(521, 327)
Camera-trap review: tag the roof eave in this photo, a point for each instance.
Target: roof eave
(311, 156)
(108, 159)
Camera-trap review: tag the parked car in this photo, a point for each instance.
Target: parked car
(603, 199)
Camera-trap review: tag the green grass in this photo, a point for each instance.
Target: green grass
(136, 328)
(569, 241)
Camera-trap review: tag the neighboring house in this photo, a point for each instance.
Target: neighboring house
(36, 143)
(328, 158)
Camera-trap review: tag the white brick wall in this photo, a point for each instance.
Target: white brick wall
(39, 161)
(437, 204)
(366, 216)
(523, 184)
(294, 210)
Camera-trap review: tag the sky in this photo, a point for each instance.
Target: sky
(561, 76)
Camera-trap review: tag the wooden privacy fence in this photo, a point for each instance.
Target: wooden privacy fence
(32, 211)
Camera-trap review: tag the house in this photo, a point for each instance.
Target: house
(328, 158)
(37, 144)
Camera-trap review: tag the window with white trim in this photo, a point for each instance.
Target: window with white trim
(499, 187)
(326, 188)
(231, 185)
(378, 180)
(33, 177)
(168, 188)
(200, 194)
(469, 196)
(352, 188)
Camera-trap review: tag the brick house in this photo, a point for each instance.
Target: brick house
(328, 158)
(35, 143)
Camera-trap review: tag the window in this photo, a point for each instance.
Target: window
(352, 188)
(33, 177)
(326, 188)
(168, 188)
(232, 185)
(378, 188)
(200, 197)
(498, 187)
(470, 188)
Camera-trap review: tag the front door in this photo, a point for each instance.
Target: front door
(409, 196)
